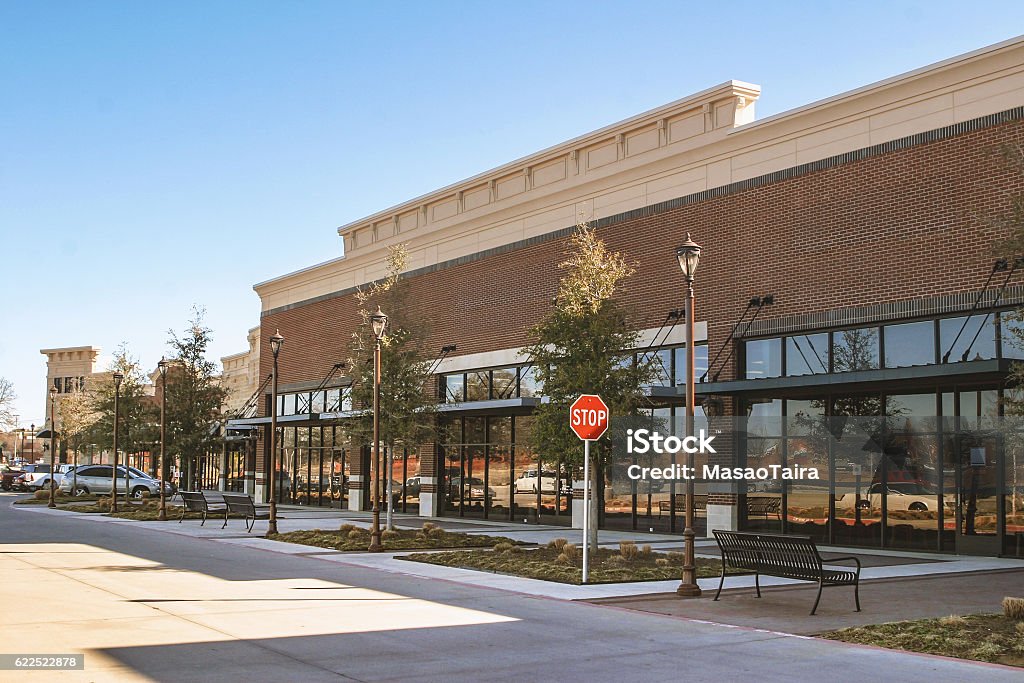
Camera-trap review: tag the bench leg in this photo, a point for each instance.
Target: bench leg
(757, 583)
(225, 520)
(817, 599)
(204, 518)
(183, 511)
(720, 584)
(856, 594)
(249, 525)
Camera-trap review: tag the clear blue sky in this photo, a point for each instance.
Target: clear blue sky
(156, 156)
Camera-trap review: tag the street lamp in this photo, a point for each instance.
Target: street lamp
(379, 323)
(118, 378)
(32, 441)
(162, 366)
(276, 342)
(53, 451)
(689, 255)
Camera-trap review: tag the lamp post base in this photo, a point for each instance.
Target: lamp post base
(272, 524)
(688, 590)
(375, 546)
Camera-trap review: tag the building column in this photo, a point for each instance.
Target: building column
(431, 496)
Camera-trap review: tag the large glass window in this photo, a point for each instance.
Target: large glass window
(965, 339)
(764, 358)
(910, 344)
(807, 354)
(854, 350)
(454, 388)
(700, 362)
(1012, 335)
(529, 381)
(504, 383)
(478, 385)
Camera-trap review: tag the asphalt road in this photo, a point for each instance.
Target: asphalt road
(147, 605)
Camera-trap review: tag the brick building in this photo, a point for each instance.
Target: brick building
(848, 280)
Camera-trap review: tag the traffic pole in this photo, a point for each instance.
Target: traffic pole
(586, 510)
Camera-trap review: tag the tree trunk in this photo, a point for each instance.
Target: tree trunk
(594, 507)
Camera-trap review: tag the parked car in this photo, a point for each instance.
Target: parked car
(96, 479)
(412, 487)
(527, 482)
(7, 476)
(474, 489)
(898, 496)
(33, 476)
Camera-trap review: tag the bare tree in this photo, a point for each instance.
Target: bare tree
(7, 398)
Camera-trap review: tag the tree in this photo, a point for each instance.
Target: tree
(195, 399)
(76, 418)
(7, 399)
(135, 409)
(407, 409)
(585, 346)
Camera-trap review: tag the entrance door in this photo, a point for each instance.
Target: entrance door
(977, 501)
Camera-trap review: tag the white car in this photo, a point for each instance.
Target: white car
(527, 482)
(898, 496)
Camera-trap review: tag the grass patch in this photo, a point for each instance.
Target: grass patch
(60, 499)
(562, 562)
(351, 537)
(981, 637)
(147, 511)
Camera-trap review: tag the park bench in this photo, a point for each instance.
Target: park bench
(242, 504)
(763, 506)
(665, 506)
(788, 557)
(196, 501)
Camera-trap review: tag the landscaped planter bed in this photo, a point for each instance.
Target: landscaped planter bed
(351, 537)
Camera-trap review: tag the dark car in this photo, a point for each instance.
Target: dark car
(7, 476)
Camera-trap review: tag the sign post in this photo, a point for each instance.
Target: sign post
(588, 418)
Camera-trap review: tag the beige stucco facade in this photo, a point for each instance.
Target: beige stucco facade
(70, 370)
(706, 140)
(241, 373)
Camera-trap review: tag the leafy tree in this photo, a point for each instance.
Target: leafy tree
(195, 399)
(584, 346)
(407, 409)
(136, 416)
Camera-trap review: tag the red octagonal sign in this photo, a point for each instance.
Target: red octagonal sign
(588, 417)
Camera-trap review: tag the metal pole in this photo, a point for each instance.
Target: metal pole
(390, 521)
(375, 546)
(53, 453)
(272, 524)
(688, 588)
(113, 475)
(586, 509)
(162, 515)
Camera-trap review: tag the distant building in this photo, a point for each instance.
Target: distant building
(69, 370)
(241, 373)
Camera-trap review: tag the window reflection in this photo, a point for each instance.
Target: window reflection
(966, 339)
(910, 344)
(807, 354)
(764, 358)
(854, 350)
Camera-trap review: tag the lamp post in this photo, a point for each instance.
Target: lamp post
(276, 342)
(162, 366)
(32, 441)
(689, 255)
(379, 323)
(53, 451)
(118, 378)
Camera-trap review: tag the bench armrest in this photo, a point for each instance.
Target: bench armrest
(830, 560)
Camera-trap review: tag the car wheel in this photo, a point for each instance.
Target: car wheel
(82, 491)
(864, 504)
(918, 507)
(138, 491)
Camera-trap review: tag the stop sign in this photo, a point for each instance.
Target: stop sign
(588, 417)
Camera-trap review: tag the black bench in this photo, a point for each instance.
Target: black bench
(788, 557)
(196, 501)
(699, 503)
(763, 506)
(242, 504)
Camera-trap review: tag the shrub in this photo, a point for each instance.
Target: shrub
(42, 494)
(675, 557)
(1013, 608)
(557, 544)
(355, 534)
(617, 560)
(661, 562)
(645, 550)
(572, 551)
(564, 559)
(428, 526)
(389, 533)
(348, 528)
(953, 620)
(503, 547)
(628, 550)
(436, 532)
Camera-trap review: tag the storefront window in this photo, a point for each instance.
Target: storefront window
(1012, 333)
(455, 388)
(700, 362)
(855, 350)
(504, 382)
(529, 382)
(910, 344)
(807, 354)
(966, 339)
(478, 386)
(764, 358)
